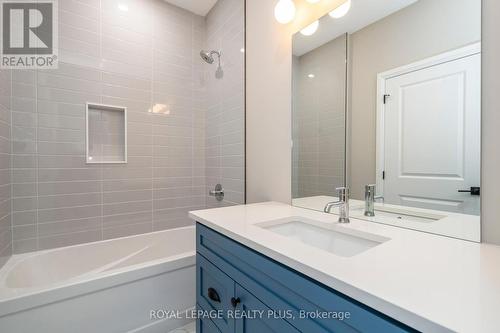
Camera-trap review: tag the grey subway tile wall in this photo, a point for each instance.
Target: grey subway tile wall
(225, 124)
(147, 59)
(5, 166)
(319, 120)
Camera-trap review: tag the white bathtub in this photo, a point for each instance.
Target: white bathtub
(108, 286)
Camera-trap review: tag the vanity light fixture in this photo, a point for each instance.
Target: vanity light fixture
(310, 29)
(341, 10)
(284, 11)
(123, 7)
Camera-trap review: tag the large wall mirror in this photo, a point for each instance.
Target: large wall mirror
(387, 101)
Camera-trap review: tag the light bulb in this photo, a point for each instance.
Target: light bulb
(284, 11)
(310, 29)
(313, 1)
(123, 7)
(311, 76)
(341, 10)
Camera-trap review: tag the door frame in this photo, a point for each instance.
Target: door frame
(442, 58)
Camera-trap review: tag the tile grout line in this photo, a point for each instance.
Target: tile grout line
(36, 160)
(11, 164)
(193, 115)
(150, 114)
(100, 99)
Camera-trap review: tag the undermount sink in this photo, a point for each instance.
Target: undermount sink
(334, 239)
(401, 215)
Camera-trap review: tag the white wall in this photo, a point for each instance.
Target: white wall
(268, 121)
(269, 105)
(269, 84)
(490, 198)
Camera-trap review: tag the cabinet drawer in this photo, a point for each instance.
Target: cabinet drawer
(283, 289)
(214, 291)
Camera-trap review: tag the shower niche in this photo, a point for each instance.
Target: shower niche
(106, 134)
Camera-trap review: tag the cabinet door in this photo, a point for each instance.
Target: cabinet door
(214, 293)
(206, 326)
(259, 318)
(432, 130)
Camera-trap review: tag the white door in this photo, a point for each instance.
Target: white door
(432, 123)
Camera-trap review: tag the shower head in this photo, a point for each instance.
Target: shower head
(208, 56)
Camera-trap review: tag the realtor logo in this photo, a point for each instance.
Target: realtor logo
(29, 34)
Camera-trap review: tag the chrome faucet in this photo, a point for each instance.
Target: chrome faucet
(370, 199)
(343, 205)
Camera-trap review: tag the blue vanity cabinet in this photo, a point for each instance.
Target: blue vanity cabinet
(219, 295)
(247, 280)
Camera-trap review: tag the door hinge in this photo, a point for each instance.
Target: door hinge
(383, 174)
(386, 96)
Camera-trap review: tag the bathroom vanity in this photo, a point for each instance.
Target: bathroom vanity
(271, 296)
(272, 267)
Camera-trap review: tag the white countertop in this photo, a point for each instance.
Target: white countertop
(429, 282)
(454, 225)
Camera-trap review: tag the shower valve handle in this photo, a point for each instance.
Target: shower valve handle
(218, 192)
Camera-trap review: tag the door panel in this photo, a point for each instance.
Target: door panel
(214, 292)
(262, 322)
(206, 326)
(436, 107)
(432, 136)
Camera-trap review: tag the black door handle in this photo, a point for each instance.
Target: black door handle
(235, 301)
(472, 191)
(213, 295)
